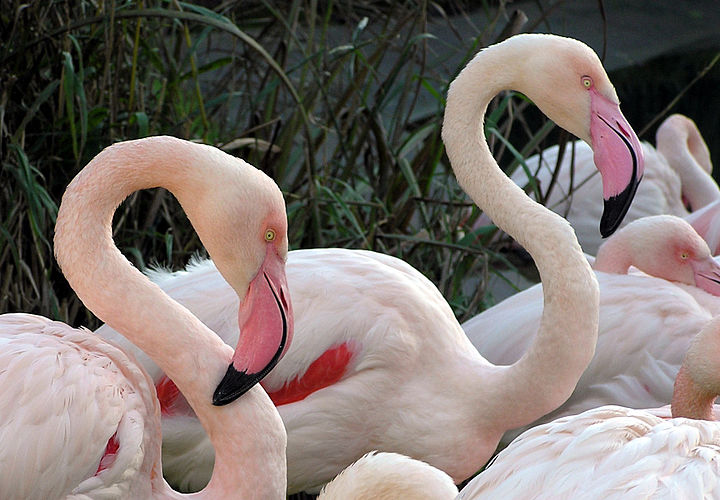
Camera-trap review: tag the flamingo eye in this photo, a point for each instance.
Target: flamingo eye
(587, 82)
(684, 255)
(269, 235)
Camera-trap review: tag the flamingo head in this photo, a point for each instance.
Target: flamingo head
(564, 76)
(249, 247)
(668, 247)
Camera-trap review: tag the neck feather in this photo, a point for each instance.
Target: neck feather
(689, 399)
(565, 342)
(613, 255)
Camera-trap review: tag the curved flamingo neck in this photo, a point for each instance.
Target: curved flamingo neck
(614, 255)
(689, 399)
(185, 349)
(680, 142)
(697, 383)
(565, 342)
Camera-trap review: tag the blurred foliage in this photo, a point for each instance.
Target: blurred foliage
(342, 112)
(340, 102)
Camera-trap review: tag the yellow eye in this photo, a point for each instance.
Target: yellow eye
(587, 82)
(684, 255)
(269, 234)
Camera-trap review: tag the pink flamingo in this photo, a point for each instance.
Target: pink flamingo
(676, 174)
(379, 361)
(646, 320)
(79, 416)
(616, 452)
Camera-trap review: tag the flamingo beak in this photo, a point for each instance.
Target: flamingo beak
(618, 156)
(266, 329)
(707, 275)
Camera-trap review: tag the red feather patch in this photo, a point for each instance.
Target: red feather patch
(172, 402)
(329, 368)
(108, 457)
(323, 372)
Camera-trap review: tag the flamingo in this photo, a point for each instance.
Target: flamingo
(616, 452)
(79, 416)
(646, 320)
(676, 173)
(379, 361)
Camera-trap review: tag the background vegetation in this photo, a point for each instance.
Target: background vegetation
(340, 102)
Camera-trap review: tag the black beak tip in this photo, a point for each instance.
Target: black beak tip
(233, 385)
(615, 209)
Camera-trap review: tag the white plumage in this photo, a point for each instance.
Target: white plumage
(65, 394)
(389, 476)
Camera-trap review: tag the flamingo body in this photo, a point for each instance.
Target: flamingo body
(617, 452)
(387, 362)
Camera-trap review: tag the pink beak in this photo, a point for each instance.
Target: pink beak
(619, 158)
(266, 329)
(707, 275)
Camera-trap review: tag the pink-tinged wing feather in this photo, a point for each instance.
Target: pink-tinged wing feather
(63, 401)
(323, 372)
(172, 402)
(609, 452)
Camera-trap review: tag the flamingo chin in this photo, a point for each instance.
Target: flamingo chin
(266, 327)
(614, 145)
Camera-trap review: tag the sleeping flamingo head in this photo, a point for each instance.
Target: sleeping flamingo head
(663, 246)
(564, 76)
(248, 243)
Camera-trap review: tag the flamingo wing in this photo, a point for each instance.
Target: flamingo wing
(85, 417)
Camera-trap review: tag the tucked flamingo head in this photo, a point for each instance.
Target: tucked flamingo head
(664, 246)
(564, 76)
